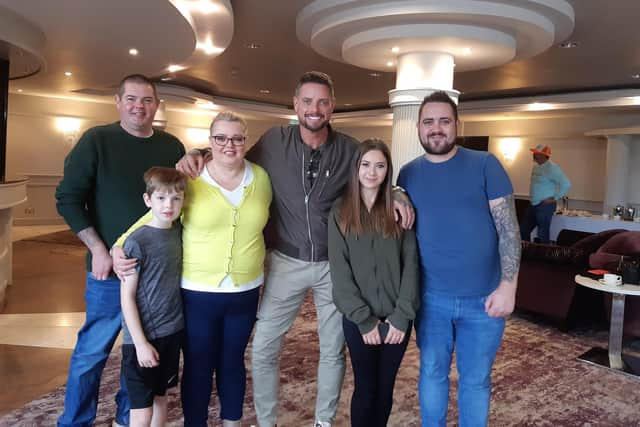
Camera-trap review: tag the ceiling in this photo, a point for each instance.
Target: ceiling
(91, 38)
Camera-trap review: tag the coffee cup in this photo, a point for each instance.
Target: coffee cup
(612, 279)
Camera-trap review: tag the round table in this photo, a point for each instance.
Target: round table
(612, 357)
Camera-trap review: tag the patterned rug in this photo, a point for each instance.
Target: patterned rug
(537, 382)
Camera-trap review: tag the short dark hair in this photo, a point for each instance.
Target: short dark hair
(439, 96)
(137, 78)
(161, 177)
(315, 77)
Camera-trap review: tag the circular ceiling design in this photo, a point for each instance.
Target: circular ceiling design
(477, 33)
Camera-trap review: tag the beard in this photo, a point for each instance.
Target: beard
(323, 124)
(429, 148)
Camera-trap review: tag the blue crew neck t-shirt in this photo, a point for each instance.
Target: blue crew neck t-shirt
(457, 238)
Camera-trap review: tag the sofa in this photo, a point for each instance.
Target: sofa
(546, 282)
(622, 246)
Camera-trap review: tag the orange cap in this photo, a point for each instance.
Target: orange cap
(545, 150)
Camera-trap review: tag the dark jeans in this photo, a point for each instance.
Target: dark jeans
(374, 369)
(538, 216)
(217, 330)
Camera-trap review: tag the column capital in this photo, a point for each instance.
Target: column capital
(414, 96)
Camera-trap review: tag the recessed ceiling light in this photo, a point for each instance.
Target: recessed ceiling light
(265, 91)
(569, 45)
(374, 74)
(389, 63)
(466, 51)
(174, 68)
(133, 51)
(68, 73)
(253, 45)
(347, 105)
(635, 76)
(395, 49)
(19, 90)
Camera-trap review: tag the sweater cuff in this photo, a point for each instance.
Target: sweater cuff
(368, 325)
(398, 322)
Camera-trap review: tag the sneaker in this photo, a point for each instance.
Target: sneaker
(322, 424)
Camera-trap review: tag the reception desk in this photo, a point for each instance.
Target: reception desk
(592, 224)
(12, 193)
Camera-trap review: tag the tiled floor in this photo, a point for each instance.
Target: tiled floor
(43, 313)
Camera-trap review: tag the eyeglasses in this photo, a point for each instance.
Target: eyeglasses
(312, 167)
(223, 139)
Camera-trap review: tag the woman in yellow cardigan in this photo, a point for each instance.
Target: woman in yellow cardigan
(225, 211)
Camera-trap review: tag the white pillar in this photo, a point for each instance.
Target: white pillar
(617, 171)
(418, 75)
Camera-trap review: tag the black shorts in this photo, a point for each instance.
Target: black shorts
(143, 384)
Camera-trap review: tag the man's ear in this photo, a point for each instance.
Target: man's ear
(147, 200)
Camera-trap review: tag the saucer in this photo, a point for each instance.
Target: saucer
(605, 283)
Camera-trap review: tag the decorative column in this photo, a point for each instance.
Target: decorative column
(418, 75)
(617, 171)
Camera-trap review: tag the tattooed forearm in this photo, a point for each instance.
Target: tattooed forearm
(90, 238)
(503, 211)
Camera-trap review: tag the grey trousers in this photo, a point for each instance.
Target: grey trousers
(285, 288)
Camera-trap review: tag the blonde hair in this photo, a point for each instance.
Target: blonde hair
(228, 116)
(160, 177)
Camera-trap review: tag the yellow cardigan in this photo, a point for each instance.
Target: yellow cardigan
(219, 238)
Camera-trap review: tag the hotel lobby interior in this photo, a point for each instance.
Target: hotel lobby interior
(562, 73)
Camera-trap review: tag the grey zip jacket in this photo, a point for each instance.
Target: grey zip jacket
(299, 216)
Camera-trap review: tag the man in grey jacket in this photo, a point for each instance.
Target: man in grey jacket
(309, 166)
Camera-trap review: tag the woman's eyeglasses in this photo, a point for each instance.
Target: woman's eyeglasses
(222, 140)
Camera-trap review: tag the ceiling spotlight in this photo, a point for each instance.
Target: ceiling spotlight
(265, 91)
(374, 74)
(389, 63)
(347, 105)
(174, 68)
(68, 73)
(569, 45)
(133, 51)
(253, 45)
(635, 76)
(395, 49)
(19, 90)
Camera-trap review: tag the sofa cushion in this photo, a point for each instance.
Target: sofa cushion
(552, 253)
(618, 247)
(593, 242)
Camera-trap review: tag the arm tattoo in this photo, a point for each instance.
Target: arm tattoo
(504, 216)
(89, 237)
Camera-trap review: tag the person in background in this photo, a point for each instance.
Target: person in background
(309, 165)
(548, 185)
(469, 246)
(151, 304)
(226, 210)
(99, 197)
(374, 271)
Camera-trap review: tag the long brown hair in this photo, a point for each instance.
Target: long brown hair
(354, 217)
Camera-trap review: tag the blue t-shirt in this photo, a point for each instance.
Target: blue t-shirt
(457, 237)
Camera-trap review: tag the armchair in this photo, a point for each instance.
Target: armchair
(546, 280)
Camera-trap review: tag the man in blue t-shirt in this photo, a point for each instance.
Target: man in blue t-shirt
(469, 256)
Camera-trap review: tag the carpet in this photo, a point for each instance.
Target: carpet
(537, 382)
(66, 237)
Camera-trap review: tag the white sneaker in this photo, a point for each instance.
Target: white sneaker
(322, 424)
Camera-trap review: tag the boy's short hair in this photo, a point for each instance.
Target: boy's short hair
(160, 177)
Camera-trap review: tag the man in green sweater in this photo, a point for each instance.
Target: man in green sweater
(99, 197)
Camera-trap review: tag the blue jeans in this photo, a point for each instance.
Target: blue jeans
(538, 216)
(446, 323)
(217, 330)
(95, 341)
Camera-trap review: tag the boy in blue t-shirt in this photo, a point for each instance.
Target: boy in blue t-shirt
(150, 297)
